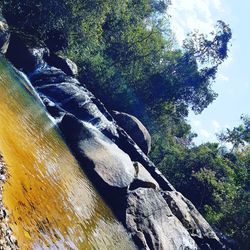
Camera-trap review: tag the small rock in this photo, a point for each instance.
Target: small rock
(2, 178)
(13, 239)
(143, 178)
(3, 227)
(4, 35)
(1, 214)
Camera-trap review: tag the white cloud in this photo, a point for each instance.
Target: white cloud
(204, 133)
(196, 123)
(188, 15)
(217, 4)
(223, 78)
(227, 126)
(216, 124)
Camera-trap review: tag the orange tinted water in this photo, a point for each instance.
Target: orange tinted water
(52, 204)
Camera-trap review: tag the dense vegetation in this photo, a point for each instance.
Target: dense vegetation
(128, 57)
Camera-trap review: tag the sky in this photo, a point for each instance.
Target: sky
(233, 79)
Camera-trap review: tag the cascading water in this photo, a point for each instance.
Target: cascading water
(50, 200)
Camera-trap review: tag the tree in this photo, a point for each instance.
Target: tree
(238, 136)
(216, 181)
(38, 21)
(210, 50)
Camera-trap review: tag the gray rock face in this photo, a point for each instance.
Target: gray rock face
(153, 225)
(197, 226)
(110, 163)
(4, 35)
(135, 129)
(93, 137)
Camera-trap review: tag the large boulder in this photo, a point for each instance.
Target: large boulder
(93, 148)
(197, 226)
(135, 129)
(153, 225)
(4, 35)
(108, 167)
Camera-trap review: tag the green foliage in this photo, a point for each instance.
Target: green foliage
(238, 136)
(211, 50)
(37, 20)
(216, 181)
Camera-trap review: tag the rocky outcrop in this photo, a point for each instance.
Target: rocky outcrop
(62, 93)
(4, 35)
(191, 219)
(141, 197)
(28, 58)
(152, 224)
(135, 129)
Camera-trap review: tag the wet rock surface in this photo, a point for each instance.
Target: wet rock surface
(7, 239)
(65, 64)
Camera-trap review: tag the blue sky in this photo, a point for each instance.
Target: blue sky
(233, 79)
